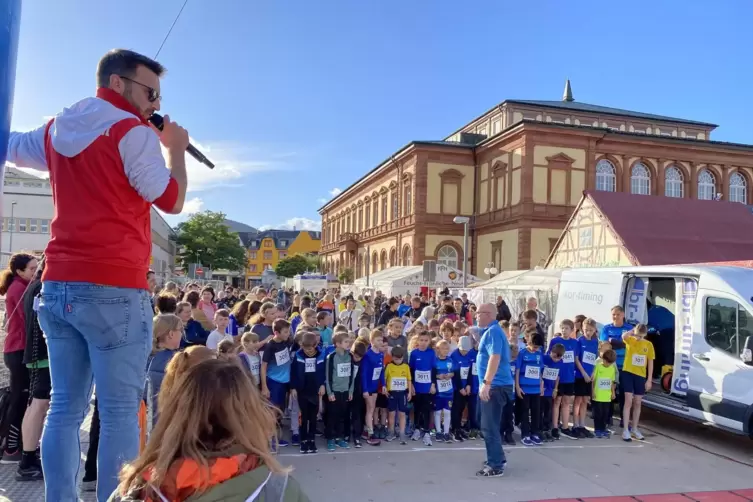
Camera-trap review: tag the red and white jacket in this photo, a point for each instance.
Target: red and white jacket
(106, 170)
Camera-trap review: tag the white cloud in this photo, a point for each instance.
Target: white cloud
(297, 224)
(335, 192)
(193, 205)
(322, 200)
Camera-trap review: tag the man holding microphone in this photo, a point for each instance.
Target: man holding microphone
(495, 387)
(106, 171)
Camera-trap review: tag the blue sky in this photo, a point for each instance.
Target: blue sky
(296, 99)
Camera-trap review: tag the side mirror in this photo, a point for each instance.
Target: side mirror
(747, 354)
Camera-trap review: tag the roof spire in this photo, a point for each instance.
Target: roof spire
(568, 94)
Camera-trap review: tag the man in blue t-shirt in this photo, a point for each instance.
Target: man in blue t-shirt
(612, 333)
(496, 388)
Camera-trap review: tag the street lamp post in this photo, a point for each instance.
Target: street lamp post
(464, 220)
(11, 226)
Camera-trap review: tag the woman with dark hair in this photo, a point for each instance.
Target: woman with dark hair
(238, 317)
(13, 283)
(197, 313)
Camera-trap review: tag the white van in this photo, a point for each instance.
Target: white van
(707, 345)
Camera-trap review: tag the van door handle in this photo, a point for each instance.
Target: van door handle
(701, 357)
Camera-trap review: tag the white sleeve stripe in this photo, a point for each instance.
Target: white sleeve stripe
(144, 165)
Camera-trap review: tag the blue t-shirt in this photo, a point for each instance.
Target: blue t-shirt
(421, 363)
(550, 374)
(402, 309)
(473, 378)
(444, 387)
(372, 365)
(279, 358)
(494, 342)
(567, 373)
(530, 366)
(588, 352)
(611, 332)
(462, 364)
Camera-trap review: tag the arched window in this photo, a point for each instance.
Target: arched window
(738, 188)
(407, 261)
(706, 185)
(448, 255)
(393, 257)
(674, 185)
(383, 260)
(640, 180)
(373, 262)
(606, 177)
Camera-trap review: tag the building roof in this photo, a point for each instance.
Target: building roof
(253, 241)
(657, 230)
(238, 227)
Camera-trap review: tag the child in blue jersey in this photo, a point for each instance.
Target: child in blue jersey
(372, 376)
(275, 367)
(511, 412)
(566, 387)
(550, 377)
(529, 387)
(442, 378)
(473, 407)
(585, 361)
(325, 332)
(612, 333)
(462, 359)
(307, 387)
(421, 366)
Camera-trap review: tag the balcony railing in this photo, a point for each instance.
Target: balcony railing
(357, 237)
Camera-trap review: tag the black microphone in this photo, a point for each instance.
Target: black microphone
(158, 122)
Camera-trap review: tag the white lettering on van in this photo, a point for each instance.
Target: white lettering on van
(636, 301)
(682, 374)
(584, 296)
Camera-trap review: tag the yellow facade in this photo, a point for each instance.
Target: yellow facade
(305, 244)
(272, 246)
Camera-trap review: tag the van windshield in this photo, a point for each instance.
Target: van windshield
(728, 324)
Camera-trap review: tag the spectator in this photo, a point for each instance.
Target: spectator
(95, 300)
(503, 311)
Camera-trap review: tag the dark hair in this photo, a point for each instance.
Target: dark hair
(609, 356)
(558, 350)
(166, 303)
(193, 298)
(210, 289)
(124, 63)
(567, 322)
(240, 311)
(308, 340)
(279, 325)
(398, 352)
(359, 348)
(306, 302)
(531, 314)
(322, 315)
(17, 262)
(537, 340)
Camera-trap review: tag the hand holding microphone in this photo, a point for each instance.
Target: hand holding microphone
(173, 136)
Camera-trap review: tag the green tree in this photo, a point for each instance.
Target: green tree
(205, 238)
(314, 262)
(292, 265)
(345, 276)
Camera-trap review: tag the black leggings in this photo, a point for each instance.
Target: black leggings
(19, 398)
(422, 411)
(531, 419)
(459, 403)
(309, 409)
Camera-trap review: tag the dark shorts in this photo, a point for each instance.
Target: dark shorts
(40, 381)
(381, 401)
(398, 401)
(632, 383)
(582, 388)
(278, 393)
(442, 403)
(566, 389)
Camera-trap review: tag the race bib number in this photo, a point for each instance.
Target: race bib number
(444, 385)
(423, 376)
(310, 364)
(589, 358)
(551, 373)
(377, 371)
(569, 357)
(398, 384)
(343, 370)
(639, 360)
(533, 372)
(255, 366)
(282, 357)
(464, 373)
(474, 369)
(604, 384)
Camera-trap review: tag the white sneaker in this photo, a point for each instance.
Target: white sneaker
(416, 435)
(637, 434)
(626, 435)
(427, 439)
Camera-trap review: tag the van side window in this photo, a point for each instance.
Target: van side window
(728, 324)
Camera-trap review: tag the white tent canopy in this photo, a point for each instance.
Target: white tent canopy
(516, 286)
(402, 280)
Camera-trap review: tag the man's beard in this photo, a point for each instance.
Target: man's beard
(128, 95)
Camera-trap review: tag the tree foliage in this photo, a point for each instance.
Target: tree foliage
(346, 276)
(292, 265)
(206, 238)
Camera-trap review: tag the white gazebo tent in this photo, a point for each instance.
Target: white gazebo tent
(516, 286)
(397, 281)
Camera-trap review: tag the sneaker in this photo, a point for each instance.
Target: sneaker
(509, 440)
(568, 433)
(427, 439)
(389, 437)
(626, 436)
(320, 433)
(601, 434)
(403, 441)
(490, 472)
(342, 444)
(357, 443)
(586, 433)
(416, 435)
(579, 432)
(480, 435)
(312, 447)
(11, 457)
(365, 435)
(536, 440)
(462, 434)
(295, 440)
(548, 437)
(527, 441)
(473, 435)
(88, 485)
(381, 432)
(556, 434)
(31, 472)
(374, 440)
(304, 448)
(637, 434)
(459, 437)
(331, 445)
(282, 443)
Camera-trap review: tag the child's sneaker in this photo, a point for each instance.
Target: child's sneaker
(374, 440)
(536, 440)
(473, 435)
(568, 433)
(312, 447)
(357, 443)
(416, 435)
(383, 432)
(626, 436)
(331, 445)
(600, 434)
(427, 439)
(403, 441)
(389, 437)
(637, 434)
(509, 440)
(296, 439)
(342, 444)
(556, 434)
(282, 443)
(463, 435)
(365, 435)
(586, 433)
(548, 436)
(459, 436)
(304, 447)
(528, 441)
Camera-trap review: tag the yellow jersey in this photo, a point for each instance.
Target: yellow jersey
(397, 377)
(638, 352)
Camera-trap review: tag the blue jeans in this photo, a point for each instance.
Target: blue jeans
(491, 418)
(99, 334)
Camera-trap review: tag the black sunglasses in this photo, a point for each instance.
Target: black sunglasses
(154, 94)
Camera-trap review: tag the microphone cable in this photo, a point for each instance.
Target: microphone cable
(171, 29)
